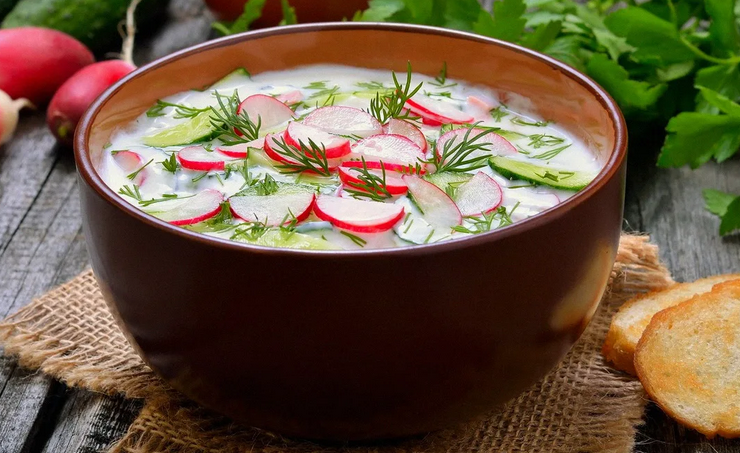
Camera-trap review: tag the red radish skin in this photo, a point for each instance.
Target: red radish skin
(333, 145)
(393, 182)
(241, 151)
(9, 109)
(479, 196)
(358, 216)
(35, 62)
(199, 159)
(438, 208)
(396, 152)
(129, 162)
(273, 210)
(269, 111)
(408, 130)
(77, 93)
(496, 144)
(436, 113)
(344, 121)
(273, 140)
(203, 206)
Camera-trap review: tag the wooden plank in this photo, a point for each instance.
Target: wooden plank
(667, 203)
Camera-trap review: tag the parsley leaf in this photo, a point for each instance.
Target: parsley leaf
(722, 103)
(506, 23)
(289, 17)
(630, 94)
(726, 206)
(724, 79)
(252, 11)
(379, 11)
(656, 40)
(723, 29)
(694, 138)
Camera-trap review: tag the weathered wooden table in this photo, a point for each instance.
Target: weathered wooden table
(41, 245)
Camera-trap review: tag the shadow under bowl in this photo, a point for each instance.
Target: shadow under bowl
(358, 345)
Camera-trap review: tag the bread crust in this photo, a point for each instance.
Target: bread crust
(633, 317)
(687, 361)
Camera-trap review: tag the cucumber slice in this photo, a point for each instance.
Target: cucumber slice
(446, 178)
(196, 129)
(292, 240)
(537, 174)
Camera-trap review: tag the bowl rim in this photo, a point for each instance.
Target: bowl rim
(87, 171)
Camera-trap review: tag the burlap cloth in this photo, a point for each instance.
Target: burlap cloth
(581, 406)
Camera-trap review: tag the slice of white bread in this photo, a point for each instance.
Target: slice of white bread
(688, 360)
(634, 316)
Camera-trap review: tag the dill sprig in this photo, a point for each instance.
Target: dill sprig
(131, 191)
(549, 154)
(181, 110)
(441, 79)
(170, 164)
(484, 222)
(540, 140)
(305, 157)
(230, 123)
(456, 156)
(356, 239)
(498, 113)
(371, 185)
(266, 186)
(133, 174)
(371, 85)
(250, 232)
(523, 122)
(165, 197)
(384, 108)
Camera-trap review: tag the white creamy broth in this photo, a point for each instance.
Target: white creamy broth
(181, 161)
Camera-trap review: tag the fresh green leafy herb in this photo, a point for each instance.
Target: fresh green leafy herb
(498, 113)
(540, 140)
(371, 85)
(441, 79)
(266, 186)
(250, 232)
(727, 207)
(165, 197)
(370, 186)
(200, 176)
(180, 110)
(523, 122)
(484, 222)
(463, 155)
(170, 164)
(384, 108)
(252, 11)
(306, 157)
(549, 154)
(356, 239)
(131, 191)
(230, 123)
(135, 173)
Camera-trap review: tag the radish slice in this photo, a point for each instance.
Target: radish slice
(438, 208)
(437, 112)
(273, 141)
(344, 121)
(396, 153)
(269, 110)
(358, 215)
(333, 145)
(478, 196)
(197, 158)
(408, 130)
(482, 104)
(290, 97)
(393, 182)
(240, 151)
(188, 211)
(273, 210)
(129, 162)
(495, 144)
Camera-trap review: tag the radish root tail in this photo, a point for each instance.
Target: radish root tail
(127, 51)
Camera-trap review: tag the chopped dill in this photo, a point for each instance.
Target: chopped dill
(306, 157)
(547, 155)
(356, 239)
(441, 79)
(317, 85)
(199, 177)
(132, 191)
(230, 123)
(170, 164)
(181, 110)
(457, 156)
(133, 175)
(498, 113)
(372, 85)
(384, 108)
(266, 186)
(522, 122)
(431, 233)
(371, 185)
(250, 231)
(165, 197)
(539, 140)
(484, 222)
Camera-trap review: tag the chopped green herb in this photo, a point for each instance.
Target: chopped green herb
(370, 186)
(458, 155)
(133, 174)
(165, 197)
(498, 113)
(356, 239)
(230, 123)
(170, 164)
(266, 186)
(540, 140)
(132, 191)
(522, 122)
(547, 155)
(306, 157)
(384, 108)
(371, 86)
(180, 110)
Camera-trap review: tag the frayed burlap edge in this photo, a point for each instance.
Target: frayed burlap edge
(581, 406)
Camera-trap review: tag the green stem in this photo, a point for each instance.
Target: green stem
(701, 54)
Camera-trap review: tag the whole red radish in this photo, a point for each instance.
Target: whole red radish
(35, 61)
(9, 115)
(77, 93)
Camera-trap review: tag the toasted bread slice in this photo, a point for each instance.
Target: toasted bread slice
(633, 317)
(688, 360)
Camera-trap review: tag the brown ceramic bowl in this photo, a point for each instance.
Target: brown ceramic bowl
(357, 345)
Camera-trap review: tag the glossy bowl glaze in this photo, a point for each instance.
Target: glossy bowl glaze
(357, 345)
